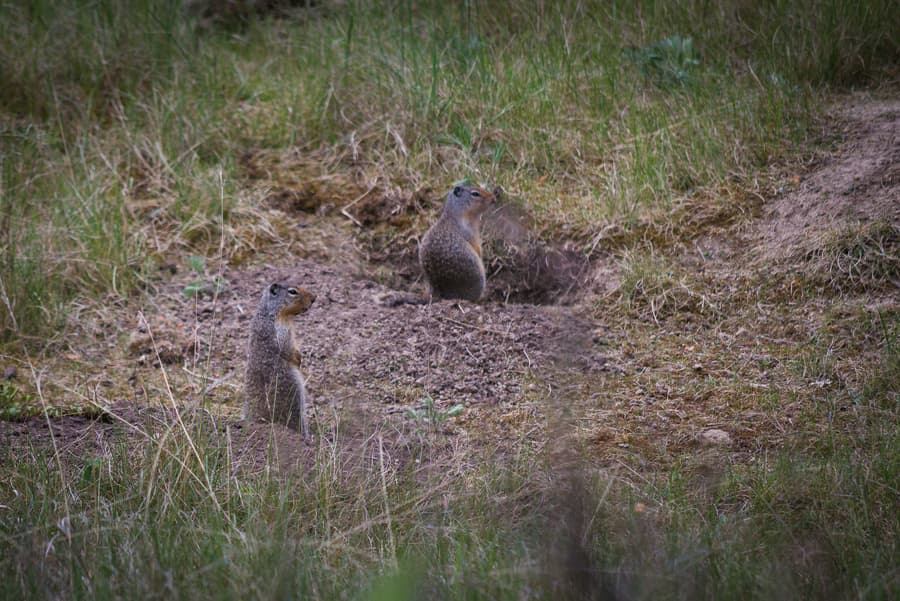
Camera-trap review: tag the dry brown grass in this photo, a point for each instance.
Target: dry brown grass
(859, 258)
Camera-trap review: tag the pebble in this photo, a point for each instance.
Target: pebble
(715, 437)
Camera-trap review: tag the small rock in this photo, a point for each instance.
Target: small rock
(10, 372)
(715, 437)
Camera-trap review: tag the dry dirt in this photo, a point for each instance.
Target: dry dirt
(716, 372)
(856, 183)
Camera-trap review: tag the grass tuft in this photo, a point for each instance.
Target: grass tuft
(654, 283)
(858, 258)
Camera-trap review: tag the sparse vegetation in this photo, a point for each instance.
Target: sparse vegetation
(862, 257)
(139, 139)
(13, 402)
(430, 414)
(651, 281)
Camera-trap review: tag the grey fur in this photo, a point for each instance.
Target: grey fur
(274, 386)
(450, 253)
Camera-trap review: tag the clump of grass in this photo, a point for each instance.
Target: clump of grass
(858, 258)
(652, 282)
(668, 62)
(194, 522)
(883, 385)
(16, 404)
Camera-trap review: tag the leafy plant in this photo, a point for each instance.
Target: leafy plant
(13, 402)
(197, 263)
(429, 413)
(205, 288)
(668, 62)
(16, 404)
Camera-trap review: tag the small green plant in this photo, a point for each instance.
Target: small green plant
(197, 264)
(429, 413)
(14, 403)
(92, 469)
(200, 288)
(668, 62)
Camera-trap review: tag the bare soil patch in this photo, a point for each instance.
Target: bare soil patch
(360, 353)
(856, 183)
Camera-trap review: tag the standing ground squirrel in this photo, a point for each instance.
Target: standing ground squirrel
(274, 386)
(450, 253)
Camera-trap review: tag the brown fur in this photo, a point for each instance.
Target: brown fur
(450, 253)
(274, 385)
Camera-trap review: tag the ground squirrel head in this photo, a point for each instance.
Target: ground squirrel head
(281, 301)
(468, 202)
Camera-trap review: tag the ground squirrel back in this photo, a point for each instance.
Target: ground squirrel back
(450, 253)
(274, 386)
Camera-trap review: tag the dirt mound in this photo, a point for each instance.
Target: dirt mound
(358, 352)
(393, 208)
(521, 267)
(857, 183)
(536, 274)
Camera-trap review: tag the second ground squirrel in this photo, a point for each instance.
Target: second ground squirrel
(450, 253)
(274, 385)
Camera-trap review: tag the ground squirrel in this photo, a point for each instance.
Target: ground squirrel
(274, 385)
(450, 253)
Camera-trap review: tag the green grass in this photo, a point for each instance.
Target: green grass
(169, 517)
(121, 124)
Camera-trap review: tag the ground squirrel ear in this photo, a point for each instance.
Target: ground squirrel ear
(457, 191)
(273, 289)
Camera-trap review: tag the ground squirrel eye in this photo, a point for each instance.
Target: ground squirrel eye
(476, 194)
(292, 291)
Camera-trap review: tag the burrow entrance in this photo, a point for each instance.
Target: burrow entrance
(522, 267)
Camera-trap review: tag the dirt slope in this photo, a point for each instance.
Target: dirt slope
(858, 182)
